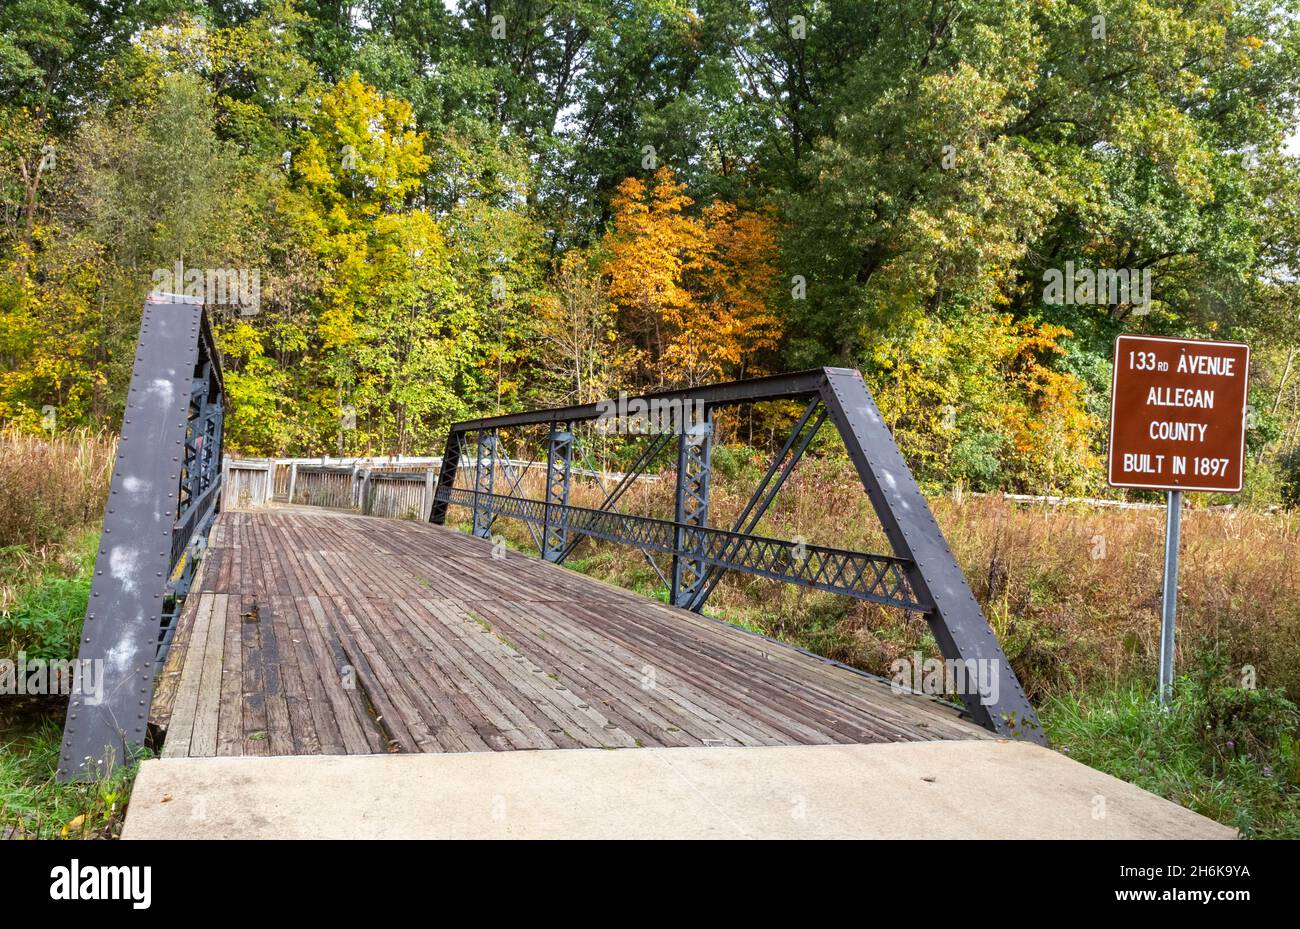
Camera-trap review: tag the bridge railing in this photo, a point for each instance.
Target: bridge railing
(165, 491)
(676, 429)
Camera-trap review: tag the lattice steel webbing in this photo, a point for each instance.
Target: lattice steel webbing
(658, 442)
(484, 477)
(876, 578)
(694, 473)
(778, 471)
(559, 471)
(515, 475)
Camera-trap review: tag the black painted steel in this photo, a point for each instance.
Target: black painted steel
(451, 452)
(647, 455)
(774, 387)
(694, 473)
(559, 471)
(782, 465)
(484, 471)
(164, 493)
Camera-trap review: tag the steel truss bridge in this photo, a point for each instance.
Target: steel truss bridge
(167, 484)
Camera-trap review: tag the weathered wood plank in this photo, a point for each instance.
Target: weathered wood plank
(203, 743)
(230, 724)
(181, 728)
(454, 648)
(169, 679)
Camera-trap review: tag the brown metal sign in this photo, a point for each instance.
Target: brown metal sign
(1178, 414)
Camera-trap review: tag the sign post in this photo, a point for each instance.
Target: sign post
(1177, 423)
(1169, 591)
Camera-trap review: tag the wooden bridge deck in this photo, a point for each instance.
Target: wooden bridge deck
(319, 632)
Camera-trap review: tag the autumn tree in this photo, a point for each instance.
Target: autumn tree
(651, 244)
(389, 334)
(693, 290)
(577, 330)
(735, 331)
(979, 400)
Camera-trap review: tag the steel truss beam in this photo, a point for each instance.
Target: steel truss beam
(694, 464)
(485, 466)
(164, 493)
(648, 453)
(921, 575)
(515, 476)
(795, 445)
(559, 469)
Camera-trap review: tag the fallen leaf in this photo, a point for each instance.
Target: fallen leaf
(74, 824)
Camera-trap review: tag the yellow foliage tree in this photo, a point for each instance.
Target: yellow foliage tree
(733, 276)
(973, 399)
(360, 160)
(651, 245)
(49, 324)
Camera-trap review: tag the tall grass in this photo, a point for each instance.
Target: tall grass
(50, 488)
(1073, 592)
(45, 618)
(52, 492)
(1177, 753)
(51, 484)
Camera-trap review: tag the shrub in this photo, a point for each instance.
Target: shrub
(1237, 721)
(46, 618)
(1122, 730)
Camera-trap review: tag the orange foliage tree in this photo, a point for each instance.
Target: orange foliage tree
(691, 291)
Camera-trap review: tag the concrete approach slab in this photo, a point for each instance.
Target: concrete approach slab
(937, 790)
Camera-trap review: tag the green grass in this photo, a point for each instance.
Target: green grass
(33, 805)
(1177, 754)
(45, 621)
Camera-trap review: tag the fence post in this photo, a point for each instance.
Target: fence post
(293, 480)
(426, 502)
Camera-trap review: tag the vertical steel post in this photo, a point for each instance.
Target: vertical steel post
(1169, 594)
(485, 466)
(559, 469)
(694, 454)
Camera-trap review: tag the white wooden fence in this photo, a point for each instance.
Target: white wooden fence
(398, 487)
